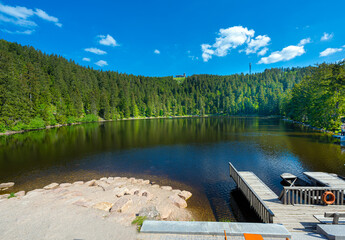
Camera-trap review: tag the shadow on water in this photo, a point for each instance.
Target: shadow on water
(240, 207)
(187, 153)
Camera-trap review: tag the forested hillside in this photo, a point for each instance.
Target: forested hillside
(319, 99)
(37, 90)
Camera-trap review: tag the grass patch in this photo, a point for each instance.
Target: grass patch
(11, 195)
(139, 220)
(224, 220)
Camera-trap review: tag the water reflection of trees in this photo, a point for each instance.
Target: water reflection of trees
(60, 146)
(41, 149)
(315, 150)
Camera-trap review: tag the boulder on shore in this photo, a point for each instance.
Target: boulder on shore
(178, 201)
(105, 206)
(51, 186)
(185, 195)
(120, 191)
(122, 205)
(20, 194)
(4, 186)
(150, 213)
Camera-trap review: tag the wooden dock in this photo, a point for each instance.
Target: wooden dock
(325, 179)
(296, 217)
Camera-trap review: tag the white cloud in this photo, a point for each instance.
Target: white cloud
(18, 22)
(101, 63)
(231, 38)
(207, 52)
(26, 32)
(107, 40)
(286, 53)
(17, 11)
(304, 41)
(260, 41)
(263, 51)
(330, 51)
(327, 36)
(95, 51)
(86, 59)
(42, 14)
(156, 51)
(21, 16)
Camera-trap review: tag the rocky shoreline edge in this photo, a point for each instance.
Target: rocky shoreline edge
(120, 198)
(308, 126)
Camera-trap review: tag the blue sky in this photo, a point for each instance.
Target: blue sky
(162, 38)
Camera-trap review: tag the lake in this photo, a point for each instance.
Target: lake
(186, 153)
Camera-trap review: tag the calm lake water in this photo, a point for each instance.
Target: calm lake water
(186, 153)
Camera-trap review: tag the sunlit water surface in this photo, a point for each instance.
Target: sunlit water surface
(186, 153)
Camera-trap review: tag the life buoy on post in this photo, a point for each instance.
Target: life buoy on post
(329, 195)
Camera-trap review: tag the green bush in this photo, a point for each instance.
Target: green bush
(224, 220)
(52, 121)
(139, 220)
(11, 195)
(18, 127)
(71, 120)
(36, 123)
(61, 118)
(2, 128)
(89, 118)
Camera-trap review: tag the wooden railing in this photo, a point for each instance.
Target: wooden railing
(311, 195)
(255, 201)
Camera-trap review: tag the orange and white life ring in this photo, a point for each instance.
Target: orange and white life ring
(328, 197)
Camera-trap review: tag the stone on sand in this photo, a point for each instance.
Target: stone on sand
(185, 195)
(20, 194)
(4, 196)
(178, 201)
(105, 206)
(150, 212)
(65, 185)
(122, 204)
(4, 186)
(91, 183)
(51, 186)
(78, 183)
(119, 191)
(164, 211)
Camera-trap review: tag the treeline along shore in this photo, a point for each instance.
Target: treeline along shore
(39, 90)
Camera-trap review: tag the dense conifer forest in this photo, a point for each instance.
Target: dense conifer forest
(37, 90)
(319, 99)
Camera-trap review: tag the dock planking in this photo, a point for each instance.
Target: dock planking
(325, 179)
(296, 218)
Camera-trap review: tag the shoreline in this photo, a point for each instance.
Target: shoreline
(309, 126)
(8, 133)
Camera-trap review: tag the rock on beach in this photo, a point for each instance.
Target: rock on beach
(4, 186)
